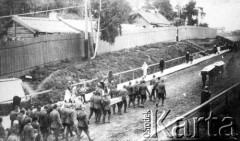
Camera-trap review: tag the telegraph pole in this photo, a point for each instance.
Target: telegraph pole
(86, 30)
(97, 40)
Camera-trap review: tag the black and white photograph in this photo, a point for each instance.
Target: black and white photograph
(119, 70)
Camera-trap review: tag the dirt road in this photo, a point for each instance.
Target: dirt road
(129, 126)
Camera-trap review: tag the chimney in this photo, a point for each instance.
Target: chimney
(53, 16)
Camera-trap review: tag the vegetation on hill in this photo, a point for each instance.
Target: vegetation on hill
(56, 76)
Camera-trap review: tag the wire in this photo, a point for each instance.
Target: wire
(2, 17)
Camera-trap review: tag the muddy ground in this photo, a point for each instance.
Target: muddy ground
(129, 126)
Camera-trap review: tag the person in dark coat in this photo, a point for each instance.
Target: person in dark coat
(205, 96)
(44, 122)
(160, 92)
(152, 84)
(131, 95)
(16, 102)
(55, 121)
(82, 122)
(161, 65)
(114, 93)
(123, 93)
(187, 57)
(143, 90)
(28, 131)
(136, 92)
(14, 114)
(106, 108)
(98, 106)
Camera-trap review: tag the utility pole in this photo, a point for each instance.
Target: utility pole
(86, 30)
(97, 40)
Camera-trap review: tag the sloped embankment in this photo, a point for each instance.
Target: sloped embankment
(117, 61)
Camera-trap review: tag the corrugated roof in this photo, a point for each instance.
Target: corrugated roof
(45, 25)
(152, 18)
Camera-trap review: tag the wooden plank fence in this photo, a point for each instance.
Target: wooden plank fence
(18, 57)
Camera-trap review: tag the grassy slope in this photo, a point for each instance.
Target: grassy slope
(56, 76)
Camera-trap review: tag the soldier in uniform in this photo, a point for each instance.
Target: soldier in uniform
(98, 106)
(205, 96)
(55, 121)
(123, 93)
(131, 95)
(160, 92)
(114, 93)
(28, 131)
(44, 122)
(67, 119)
(14, 114)
(82, 122)
(142, 90)
(106, 108)
(152, 84)
(136, 92)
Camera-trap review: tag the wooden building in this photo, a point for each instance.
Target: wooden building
(29, 27)
(149, 19)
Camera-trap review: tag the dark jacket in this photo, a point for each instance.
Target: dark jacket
(106, 103)
(44, 119)
(143, 89)
(28, 132)
(97, 102)
(82, 118)
(161, 64)
(55, 119)
(160, 88)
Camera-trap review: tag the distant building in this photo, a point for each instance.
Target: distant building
(149, 19)
(29, 27)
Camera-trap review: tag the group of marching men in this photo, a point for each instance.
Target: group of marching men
(65, 118)
(130, 94)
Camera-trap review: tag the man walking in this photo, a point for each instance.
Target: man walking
(106, 108)
(28, 131)
(82, 122)
(160, 92)
(123, 93)
(161, 65)
(55, 121)
(136, 92)
(152, 84)
(143, 92)
(98, 106)
(205, 96)
(131, 95)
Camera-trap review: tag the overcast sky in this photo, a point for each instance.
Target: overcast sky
(219, 13)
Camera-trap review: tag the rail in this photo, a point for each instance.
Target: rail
(151, 69)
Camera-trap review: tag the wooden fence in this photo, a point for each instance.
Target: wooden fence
(18, 57)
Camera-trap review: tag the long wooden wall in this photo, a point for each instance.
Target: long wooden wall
(18, 57)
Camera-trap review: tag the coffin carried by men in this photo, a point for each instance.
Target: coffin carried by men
(206, 70)
(219, 65)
